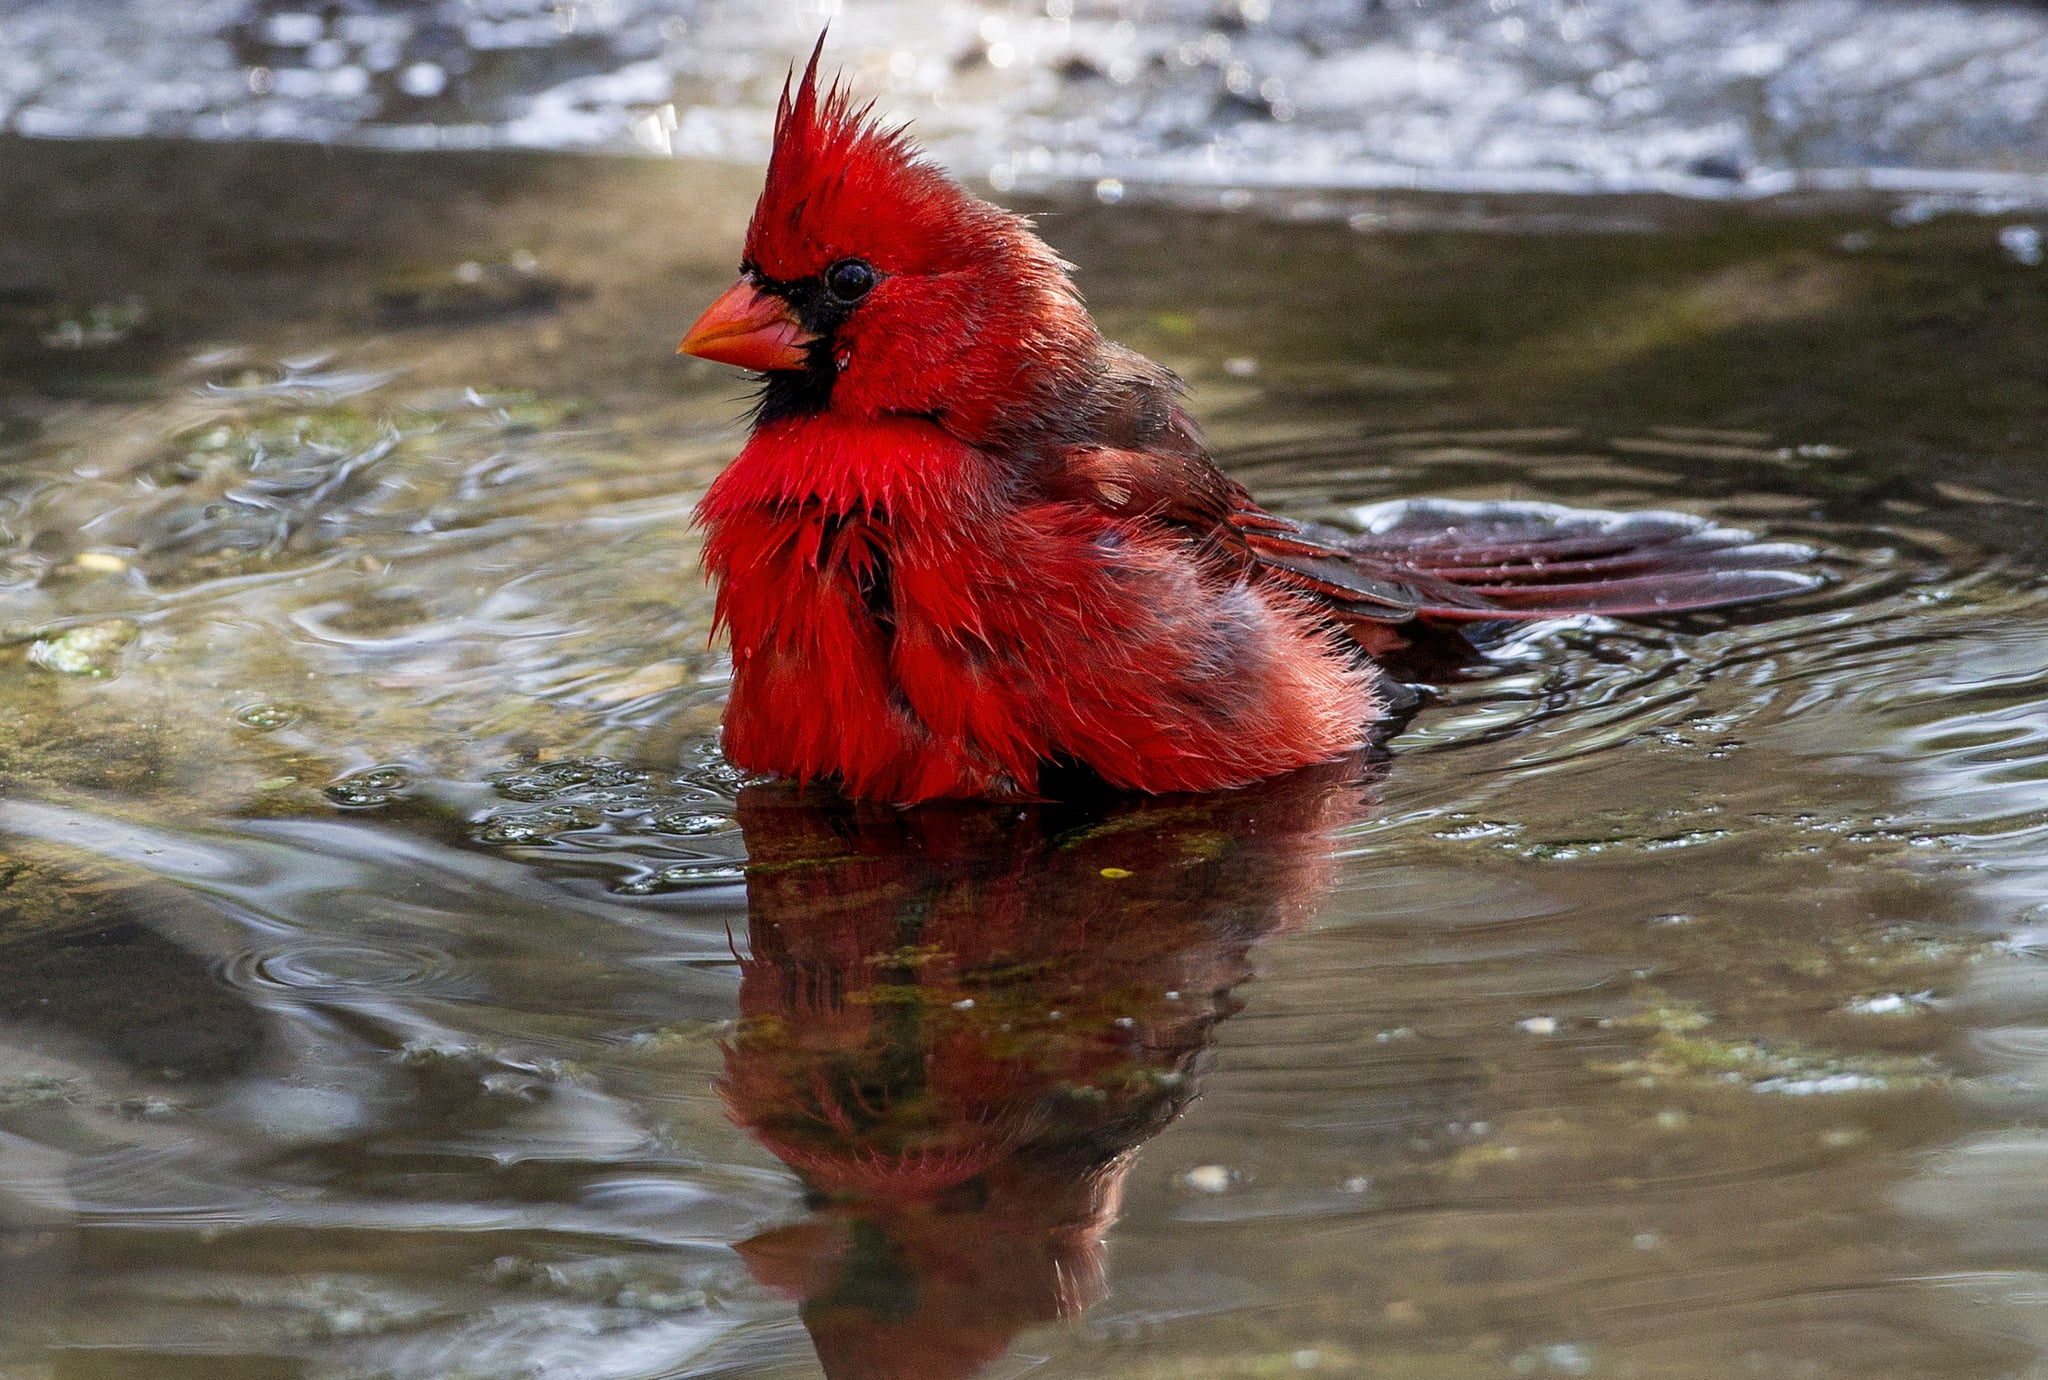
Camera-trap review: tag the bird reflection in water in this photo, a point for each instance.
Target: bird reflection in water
(959, 1023)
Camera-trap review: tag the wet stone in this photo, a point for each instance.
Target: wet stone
(91, 649)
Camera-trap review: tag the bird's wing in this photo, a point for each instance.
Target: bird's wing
(1227, 528)
(1438, 560)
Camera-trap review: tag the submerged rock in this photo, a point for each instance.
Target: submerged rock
(90, 649)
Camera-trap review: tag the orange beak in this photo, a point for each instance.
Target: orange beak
(750, 328)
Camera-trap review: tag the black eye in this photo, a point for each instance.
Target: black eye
(850, 280)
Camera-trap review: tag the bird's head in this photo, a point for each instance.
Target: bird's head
(871, 284)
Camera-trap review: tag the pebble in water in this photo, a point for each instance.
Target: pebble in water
(90, 649)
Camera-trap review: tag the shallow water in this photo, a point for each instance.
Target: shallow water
(398, 984)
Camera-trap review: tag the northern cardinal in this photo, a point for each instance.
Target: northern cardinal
(970, 540)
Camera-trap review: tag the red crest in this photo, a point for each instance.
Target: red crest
(842, 183)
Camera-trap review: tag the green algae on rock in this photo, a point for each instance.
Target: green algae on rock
(87, 649)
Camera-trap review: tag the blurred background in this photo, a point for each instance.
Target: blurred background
(1704, 97)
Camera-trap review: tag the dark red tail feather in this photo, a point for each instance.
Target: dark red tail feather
(1447, 561)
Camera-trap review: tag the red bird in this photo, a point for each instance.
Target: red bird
(970, 540)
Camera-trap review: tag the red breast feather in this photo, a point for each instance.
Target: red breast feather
(899, 626)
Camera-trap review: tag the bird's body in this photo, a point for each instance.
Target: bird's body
(921, 628)
(971, 542)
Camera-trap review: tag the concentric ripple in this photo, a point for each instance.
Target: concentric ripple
(312, 965)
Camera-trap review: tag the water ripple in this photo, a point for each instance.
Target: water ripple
(317, 966)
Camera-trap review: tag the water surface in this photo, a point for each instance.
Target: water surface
(399, 984)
